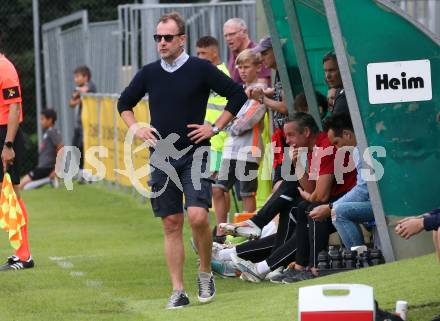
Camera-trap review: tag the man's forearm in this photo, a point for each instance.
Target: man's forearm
(279, 106)
(128, 118)
(13, 122)
(224, 119)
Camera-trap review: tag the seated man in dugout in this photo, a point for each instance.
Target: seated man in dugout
(318, 184)
(354, 208)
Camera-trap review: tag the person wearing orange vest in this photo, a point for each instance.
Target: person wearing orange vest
(12, 142)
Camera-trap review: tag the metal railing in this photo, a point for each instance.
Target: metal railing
(426, 12)
(115, 50)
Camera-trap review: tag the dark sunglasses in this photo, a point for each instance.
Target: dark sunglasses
(168, 38)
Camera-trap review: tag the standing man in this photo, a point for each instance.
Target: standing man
(207, 48)
(334, 80)
(178, 87)
(237, 38)
(12, 142)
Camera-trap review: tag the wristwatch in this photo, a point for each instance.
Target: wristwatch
(215, 129)
(9, 145)
(330, 205)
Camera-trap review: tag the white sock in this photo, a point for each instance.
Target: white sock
(262, 268)
(225, 254)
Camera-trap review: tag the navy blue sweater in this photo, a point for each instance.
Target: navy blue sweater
(180, 98)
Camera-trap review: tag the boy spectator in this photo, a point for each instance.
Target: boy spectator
(237, 38)
(242, 149)
(300, 104)
(207, 48)
(82, 79)
(49, 147)
(331, 93)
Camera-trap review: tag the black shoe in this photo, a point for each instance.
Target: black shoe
(206, 287)
(218, 238)
(288, 273)
(303, 275)
(14, 263)
(178, 299)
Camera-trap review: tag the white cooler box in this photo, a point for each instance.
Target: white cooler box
(353, 302)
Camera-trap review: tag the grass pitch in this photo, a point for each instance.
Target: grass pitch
(99, 256)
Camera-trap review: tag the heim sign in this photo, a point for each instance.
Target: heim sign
(399, 81)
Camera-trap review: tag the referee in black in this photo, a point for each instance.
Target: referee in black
(178, 88)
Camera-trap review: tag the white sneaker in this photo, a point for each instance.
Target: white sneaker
(205, 282)
(274, 273)
(248, 270)
(246, 229)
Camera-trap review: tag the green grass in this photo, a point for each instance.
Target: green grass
(99, 257)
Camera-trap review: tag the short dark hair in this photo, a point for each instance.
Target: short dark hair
(304, 120)
(330, 56)
(339, 122)
(50, 114)
(207, 41)
(177, 19)
(83, 70)
(300, 103)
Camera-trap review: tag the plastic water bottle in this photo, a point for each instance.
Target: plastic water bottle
(402, 309)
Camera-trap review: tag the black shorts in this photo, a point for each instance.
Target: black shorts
(197, 190)
(14, 169)
(40, 172)
(228, 176)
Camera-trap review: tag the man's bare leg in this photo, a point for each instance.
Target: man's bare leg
(221, 206)
(249, 204)
(436, 239)
(201, 232)
(174, 251)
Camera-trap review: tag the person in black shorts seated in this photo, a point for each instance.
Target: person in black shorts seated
(50, 145)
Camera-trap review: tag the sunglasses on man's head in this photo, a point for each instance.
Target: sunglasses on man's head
(168, 38)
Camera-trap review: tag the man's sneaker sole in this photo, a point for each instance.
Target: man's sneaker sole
(206, 300)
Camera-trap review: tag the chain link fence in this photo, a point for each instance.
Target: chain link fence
(17, 44)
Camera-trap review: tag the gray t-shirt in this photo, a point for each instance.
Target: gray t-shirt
(78, 121)
(48, 148)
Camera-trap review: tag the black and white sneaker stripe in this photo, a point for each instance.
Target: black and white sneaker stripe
(15, 264)
(205, 282)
